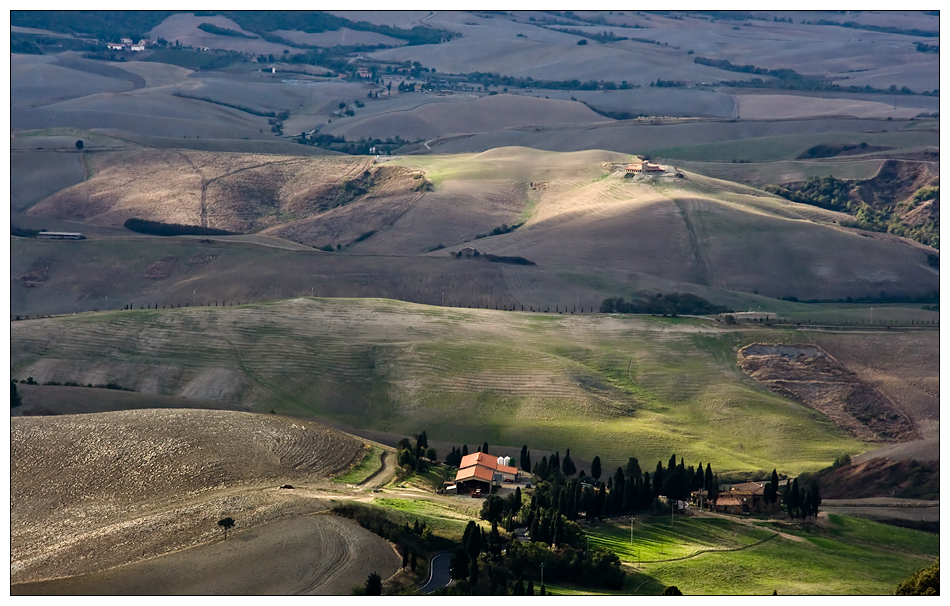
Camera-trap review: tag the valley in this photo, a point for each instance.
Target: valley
(308, 257)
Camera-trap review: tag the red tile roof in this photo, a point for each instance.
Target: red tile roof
(475, 471)
(728, 501)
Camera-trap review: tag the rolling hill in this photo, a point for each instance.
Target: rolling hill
(94, 491)
(599, 384)
(582, 223)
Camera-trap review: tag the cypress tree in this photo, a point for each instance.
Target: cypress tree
(708, 478)
(485, 447)
(464, 450)
(530, 589)
(646, 492)
(567, 466)
(595, 469)
(633, 469)
(658, 479)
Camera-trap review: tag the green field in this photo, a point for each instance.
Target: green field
(611, 386)
(446, 518)
(843, 556)
(655, 539)
(367, 467)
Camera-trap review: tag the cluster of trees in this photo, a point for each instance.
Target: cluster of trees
(502, 229)
(108, 26)
(454, 458)
(671, 304)
(359, 147)
(411, 456)
(15, 398)
(320, 21)
(487, 79)
(482, 567)
(851, 197)
(223, 31)
(158, 228)
(604, 37)
(801, 503)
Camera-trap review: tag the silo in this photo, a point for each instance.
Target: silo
(501, 460)
(508, 461)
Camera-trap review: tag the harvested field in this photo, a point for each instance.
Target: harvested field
(52, 400)
(38, 175)
(809, 374)
(904, 367)
(343, 36)
(37, 81)
(183, 27)
(309, 555)
(147, 482)
(466, 116)
(771, 107)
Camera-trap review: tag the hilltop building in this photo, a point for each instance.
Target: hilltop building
(644, 167)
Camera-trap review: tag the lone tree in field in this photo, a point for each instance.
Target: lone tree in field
(226, 523)
(374, 584)
(79, 144)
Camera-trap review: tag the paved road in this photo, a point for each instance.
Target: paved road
(438, 572)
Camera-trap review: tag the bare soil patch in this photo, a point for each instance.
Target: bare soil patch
(160, 269)
(38, 275)
(93, 491)
(810, 375)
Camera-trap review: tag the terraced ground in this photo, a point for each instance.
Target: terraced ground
(611, 386)
(94, 491)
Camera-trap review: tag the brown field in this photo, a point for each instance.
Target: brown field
(771, 107)
(306, 555)
(808, 374)
(808, 49)
(183, 27)
(36, 80)
(149, 482)
(904, 369)
(481, 115)
(37, 175)
(344, 36)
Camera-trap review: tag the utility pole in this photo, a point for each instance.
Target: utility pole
(631, 529)
(542, 571)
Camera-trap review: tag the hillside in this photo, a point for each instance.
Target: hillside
(694, 234)
(602, 385)
(148, 482)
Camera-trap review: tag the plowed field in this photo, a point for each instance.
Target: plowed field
(94, 491)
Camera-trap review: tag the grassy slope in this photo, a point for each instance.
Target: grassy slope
(608, 386)
(847, 556)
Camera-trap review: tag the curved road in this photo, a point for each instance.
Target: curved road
(438, 572)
